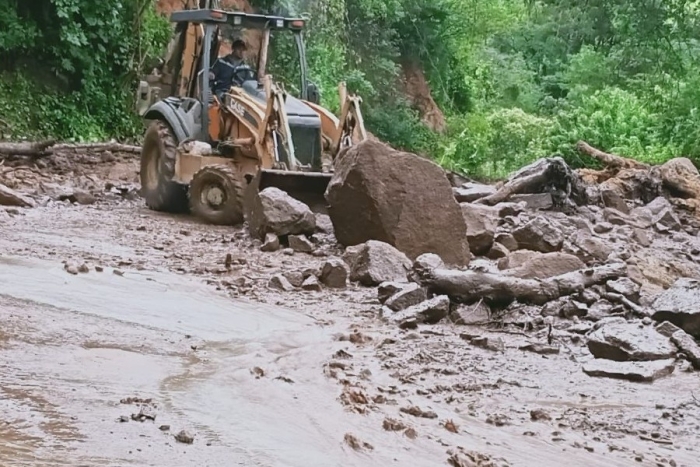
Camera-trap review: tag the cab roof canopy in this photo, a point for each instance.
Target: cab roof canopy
(237, 18)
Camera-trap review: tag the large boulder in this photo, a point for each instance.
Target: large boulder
(375, 262)
(378, 193)
(274, 211)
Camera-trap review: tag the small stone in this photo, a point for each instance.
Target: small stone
(427, 262)
(539, 415)
(117, 272)
(279, 282)
(431, 311)
(375, 262)
(495, 344)
(497, 251)
(335, 273)
(479, 313)
(288, 252)
(507, 240)
(295, 278)
(411, 295)
(99, 269)
(688, 346)
(613, 200)
(72, 269)
(311, 284)
(84, 268)
(602, 227)
(540, 234)
(300, 244)
(164, 428)
(386, 290)
(271, 243)
(184, 437)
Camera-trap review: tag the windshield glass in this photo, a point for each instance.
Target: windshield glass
(283, 61)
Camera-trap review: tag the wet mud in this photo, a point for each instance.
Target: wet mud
(164, 353)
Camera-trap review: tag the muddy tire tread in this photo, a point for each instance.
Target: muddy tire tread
(233, 213)
(168, 196)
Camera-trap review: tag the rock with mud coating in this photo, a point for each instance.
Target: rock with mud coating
(335, 273)
(379, 193)
(411, 295)
(311, 284)
(681, 177)
(184, 437)
(540, 234)
(375, 262)
(427, 262)
(623, 341)
(386, 290)
(626, 287)
(482, 222)
(271, 243)
(429, 312)
(688, 346)
(680, 305)
(300, 244)
(279, 282)
(274, 211)
(479, 313)
(645, 372)
(10, 197)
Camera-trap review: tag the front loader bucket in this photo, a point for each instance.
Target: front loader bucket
(307, 187)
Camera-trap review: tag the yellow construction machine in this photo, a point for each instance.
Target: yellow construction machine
(202, 151)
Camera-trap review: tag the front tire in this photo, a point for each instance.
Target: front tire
(158, 155)
(216, 195)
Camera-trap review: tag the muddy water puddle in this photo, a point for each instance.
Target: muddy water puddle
(245, 380)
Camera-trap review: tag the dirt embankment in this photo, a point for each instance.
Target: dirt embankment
(526, 356)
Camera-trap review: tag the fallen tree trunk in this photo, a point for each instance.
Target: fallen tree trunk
(51, 147)
(609, 160)
(472, 286)
(25, 149)
(549, 175)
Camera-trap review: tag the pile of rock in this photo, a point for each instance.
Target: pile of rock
(545, 248)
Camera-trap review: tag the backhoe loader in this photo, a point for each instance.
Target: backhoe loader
(204, 152)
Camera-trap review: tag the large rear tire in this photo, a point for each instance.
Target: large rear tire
(158, 155)
(216, 195)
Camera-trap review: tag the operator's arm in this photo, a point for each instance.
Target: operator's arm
(215, 69)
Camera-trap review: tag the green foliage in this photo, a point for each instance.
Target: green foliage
(71, 65)
(516, 79)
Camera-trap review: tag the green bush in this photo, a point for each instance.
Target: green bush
(612, 120)
(489, 146)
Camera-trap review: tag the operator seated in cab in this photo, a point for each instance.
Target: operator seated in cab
(230, 69)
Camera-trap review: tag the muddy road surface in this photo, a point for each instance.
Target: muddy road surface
(129, 337)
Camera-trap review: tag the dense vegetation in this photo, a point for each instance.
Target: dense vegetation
(516, 79)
